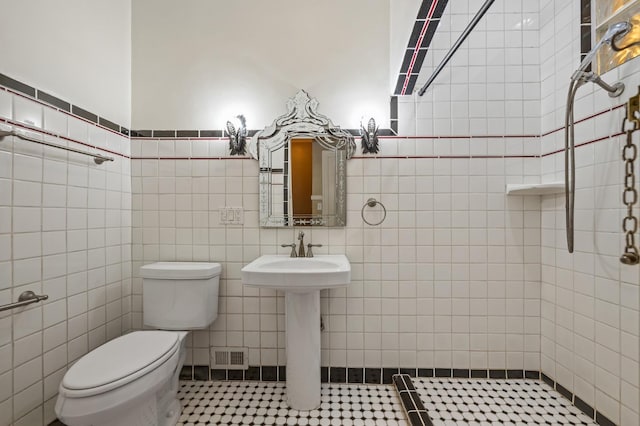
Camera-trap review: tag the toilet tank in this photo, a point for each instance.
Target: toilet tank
(180, 295)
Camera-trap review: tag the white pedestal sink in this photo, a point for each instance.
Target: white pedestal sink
(301, 278)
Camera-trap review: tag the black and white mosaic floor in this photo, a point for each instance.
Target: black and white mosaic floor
(447, 401)
(264, 403)
(504, 402)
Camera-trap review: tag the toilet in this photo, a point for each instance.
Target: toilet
(133, 379)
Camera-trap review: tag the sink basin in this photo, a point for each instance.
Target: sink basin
(298, 274)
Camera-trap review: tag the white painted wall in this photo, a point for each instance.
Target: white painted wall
(78, 50)
(197, 63)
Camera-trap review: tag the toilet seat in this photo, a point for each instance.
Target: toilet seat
(119, 362)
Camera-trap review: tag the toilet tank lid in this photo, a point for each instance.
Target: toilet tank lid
(180, 270)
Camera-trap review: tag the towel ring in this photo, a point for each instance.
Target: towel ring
(371, 202)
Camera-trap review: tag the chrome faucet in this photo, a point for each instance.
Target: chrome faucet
(301, 248)
(301, 251)
(309, 249)
(293, 249)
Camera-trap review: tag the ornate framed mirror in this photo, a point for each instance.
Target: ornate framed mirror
(302, 157)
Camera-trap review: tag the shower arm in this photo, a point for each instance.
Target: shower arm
(614, 91)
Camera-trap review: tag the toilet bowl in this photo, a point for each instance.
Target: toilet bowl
(133, 379)
(105, 387)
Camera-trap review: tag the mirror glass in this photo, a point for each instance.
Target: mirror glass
(302, 159)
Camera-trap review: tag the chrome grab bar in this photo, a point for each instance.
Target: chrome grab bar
(98, 158)
(25, 298)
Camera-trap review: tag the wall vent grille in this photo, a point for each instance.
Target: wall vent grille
(230, 358)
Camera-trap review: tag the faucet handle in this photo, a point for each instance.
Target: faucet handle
(293, 249)
(309, 252)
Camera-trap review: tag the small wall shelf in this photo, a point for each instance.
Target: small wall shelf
(535, 188)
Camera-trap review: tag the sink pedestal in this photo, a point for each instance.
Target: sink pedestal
(302, 316)
(301, 279)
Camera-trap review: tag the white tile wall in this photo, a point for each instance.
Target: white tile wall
(458, 275)
(65, 232)
(590, 301)
(434, 270)
(450, 279)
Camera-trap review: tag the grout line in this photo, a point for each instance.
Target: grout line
(603, 138)
(192, 158)
(462, 137)
(588, 117)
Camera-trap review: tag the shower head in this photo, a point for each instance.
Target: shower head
(616, 30)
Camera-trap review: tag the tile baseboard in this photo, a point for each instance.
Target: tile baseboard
(364, 375)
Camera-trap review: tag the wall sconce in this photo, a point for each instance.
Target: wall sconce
(237, 134)
(369, 136)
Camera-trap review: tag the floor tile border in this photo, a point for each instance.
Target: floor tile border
(411, 402)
